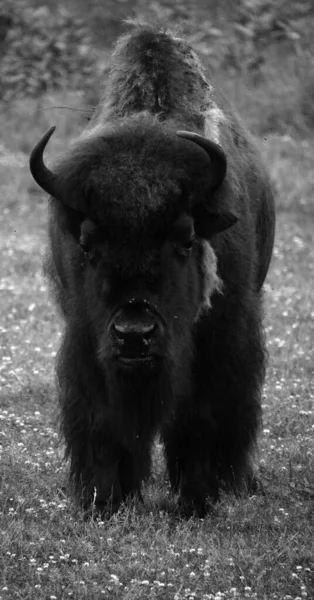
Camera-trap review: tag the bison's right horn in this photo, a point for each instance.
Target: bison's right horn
(45, 178)
(215, 153)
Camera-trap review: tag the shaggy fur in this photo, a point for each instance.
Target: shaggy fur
(133, 193)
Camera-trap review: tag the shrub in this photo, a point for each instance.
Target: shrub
(42, 50)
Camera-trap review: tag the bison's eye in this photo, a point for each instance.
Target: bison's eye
(88, 253)
(183, 234)
(184, 247)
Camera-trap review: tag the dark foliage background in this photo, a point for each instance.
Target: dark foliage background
(267, 45)
(42, 49)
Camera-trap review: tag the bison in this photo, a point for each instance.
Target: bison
(161, 231)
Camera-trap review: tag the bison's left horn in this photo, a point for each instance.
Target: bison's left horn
(215, 153)
(45, 178)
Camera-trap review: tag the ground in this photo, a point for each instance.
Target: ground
(259, 547)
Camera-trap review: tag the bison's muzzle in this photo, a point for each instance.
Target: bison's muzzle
(135, 331)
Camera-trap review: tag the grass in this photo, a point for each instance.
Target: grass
(256, 548)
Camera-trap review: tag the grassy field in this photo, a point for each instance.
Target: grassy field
(259, 547)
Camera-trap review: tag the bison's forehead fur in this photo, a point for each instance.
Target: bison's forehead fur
(134, 177)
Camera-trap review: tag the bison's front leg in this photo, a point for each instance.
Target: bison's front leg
(112, 477)
(94, 471)
(93, 442)
(101, 492)
(104, 469)
(210, 443)
(204, 457)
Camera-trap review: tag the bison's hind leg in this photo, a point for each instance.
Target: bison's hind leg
(134, 468)
(189, 470)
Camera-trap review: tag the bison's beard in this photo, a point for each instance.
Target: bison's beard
(146, 393)
(142, 394)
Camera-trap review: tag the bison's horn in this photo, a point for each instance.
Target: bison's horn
(215, 153)
(46, 179)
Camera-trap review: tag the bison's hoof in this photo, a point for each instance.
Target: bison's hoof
(254, 486)
(101, 510)
(194, 507)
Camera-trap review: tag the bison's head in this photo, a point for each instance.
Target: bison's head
(137, 206)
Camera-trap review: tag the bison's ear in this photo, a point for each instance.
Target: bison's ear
(209, 223)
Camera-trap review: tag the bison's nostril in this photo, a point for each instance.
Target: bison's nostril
(126, 329)
(149, 330)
